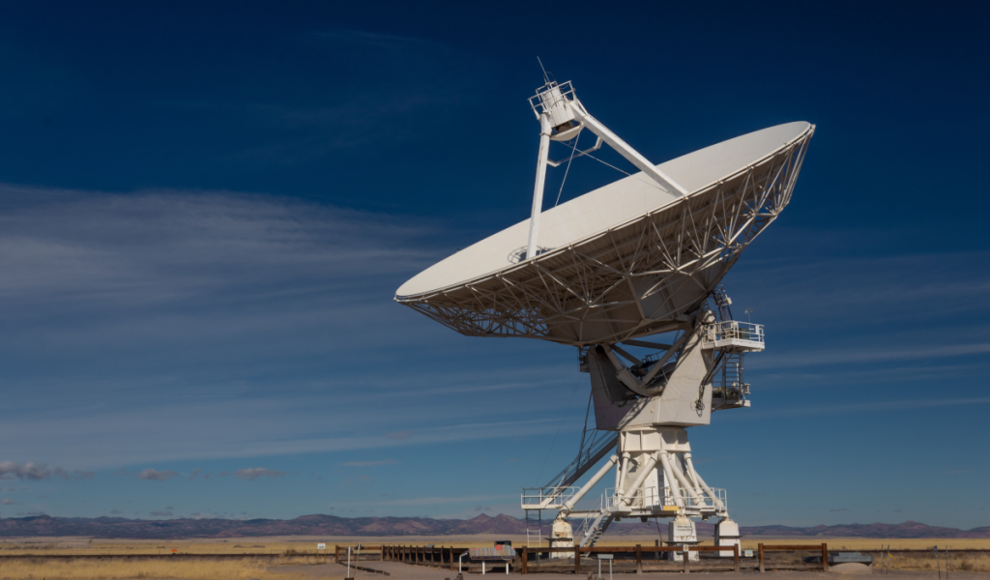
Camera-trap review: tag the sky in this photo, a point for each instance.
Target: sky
(206, 208)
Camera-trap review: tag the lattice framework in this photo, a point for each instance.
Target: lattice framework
(632, 280)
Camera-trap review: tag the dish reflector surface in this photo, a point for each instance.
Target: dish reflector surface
(625, 260)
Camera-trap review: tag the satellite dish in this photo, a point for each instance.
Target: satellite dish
(640, 256)
(623, 261)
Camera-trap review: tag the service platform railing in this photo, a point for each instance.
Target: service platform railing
(732, 334)
(650, 498)
(546, 498)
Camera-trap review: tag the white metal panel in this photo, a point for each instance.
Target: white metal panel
(622, 261)
(605, 207)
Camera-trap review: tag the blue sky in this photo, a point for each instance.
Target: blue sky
(205, 210)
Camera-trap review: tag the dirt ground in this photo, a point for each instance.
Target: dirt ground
(399, 571)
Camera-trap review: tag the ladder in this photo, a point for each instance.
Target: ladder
(732, 371)
(534, 529)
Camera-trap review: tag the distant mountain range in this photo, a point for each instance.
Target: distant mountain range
(323, 525)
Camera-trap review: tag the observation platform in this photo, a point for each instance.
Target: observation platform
(734, 336)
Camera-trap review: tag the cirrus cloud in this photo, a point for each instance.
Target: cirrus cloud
(155, 475)
(30, 470)
(253, 473)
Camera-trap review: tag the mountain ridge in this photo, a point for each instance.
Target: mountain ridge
(328, 525)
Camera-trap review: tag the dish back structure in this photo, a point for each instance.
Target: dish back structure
(626, 278)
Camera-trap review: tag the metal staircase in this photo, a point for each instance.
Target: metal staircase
(594, 528)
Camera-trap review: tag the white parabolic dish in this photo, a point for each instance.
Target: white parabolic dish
(622, 261)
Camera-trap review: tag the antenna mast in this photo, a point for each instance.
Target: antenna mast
(562, 116)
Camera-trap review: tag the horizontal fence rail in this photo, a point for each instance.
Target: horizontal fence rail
(530, 560)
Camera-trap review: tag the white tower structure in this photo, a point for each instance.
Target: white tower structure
(642, 256)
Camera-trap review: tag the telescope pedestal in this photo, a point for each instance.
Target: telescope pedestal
(682, 532)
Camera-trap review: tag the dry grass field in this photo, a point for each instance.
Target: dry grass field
(296, 553)
(293, 554)
(117, 569)
(77, 546)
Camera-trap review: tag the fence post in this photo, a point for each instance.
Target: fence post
(735, 555)
(761, 559)
(639, 559)
(577, 560)
(686, 554)
(525, 561)
(824, 557)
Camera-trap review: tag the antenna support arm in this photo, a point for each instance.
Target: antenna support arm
(615, 142)
(569, 505)
(541, 176)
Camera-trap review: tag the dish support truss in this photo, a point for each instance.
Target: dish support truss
(649, 403)
(638, 278)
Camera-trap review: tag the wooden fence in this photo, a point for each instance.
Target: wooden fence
(530, 560)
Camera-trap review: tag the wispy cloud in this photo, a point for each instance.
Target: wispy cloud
(253, 473)
(155, 475)
(30, 470)
(75, 475)
(869, 355)
(369, 463)
(872, 406)
(404, 88)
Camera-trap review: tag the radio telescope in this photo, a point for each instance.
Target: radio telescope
(642, 256)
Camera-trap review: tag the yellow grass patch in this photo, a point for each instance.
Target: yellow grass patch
(117, 569)
(961, 562)
(857, 544)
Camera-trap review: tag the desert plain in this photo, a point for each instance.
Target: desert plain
(297, 557)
